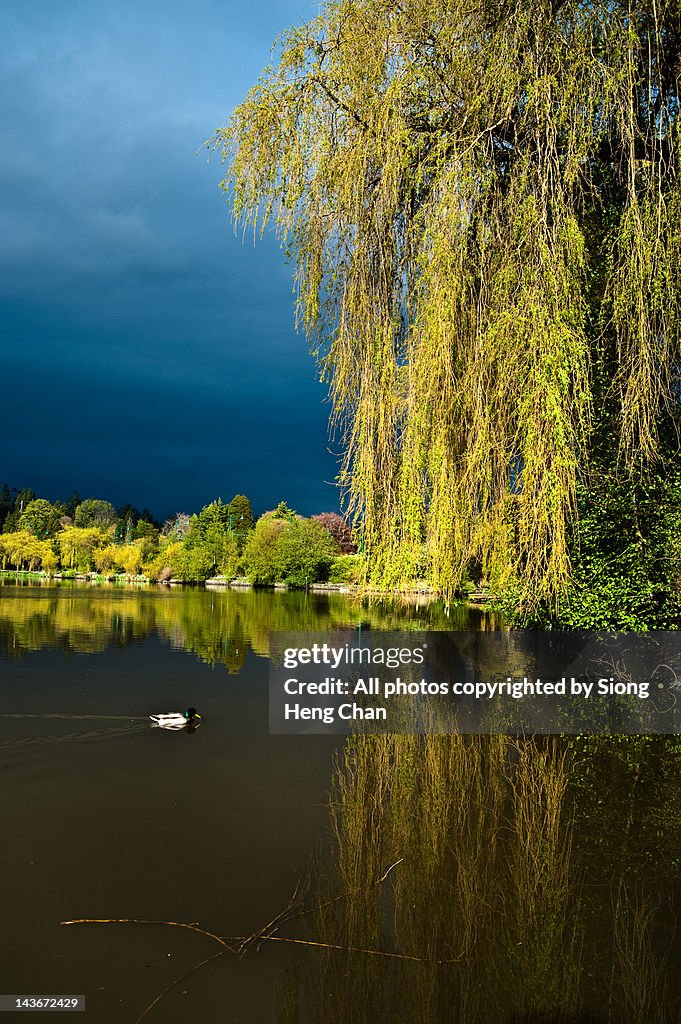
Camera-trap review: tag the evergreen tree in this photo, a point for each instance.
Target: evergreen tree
(23, 498)
(72, 504)
(5, 504)
(282, 511)
(214, 515)
(241, 518)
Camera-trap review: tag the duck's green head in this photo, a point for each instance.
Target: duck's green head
(191, 714)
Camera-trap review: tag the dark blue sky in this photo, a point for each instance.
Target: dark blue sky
(148, 351)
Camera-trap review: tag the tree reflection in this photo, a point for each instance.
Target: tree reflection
(220, 627)
(497, 907)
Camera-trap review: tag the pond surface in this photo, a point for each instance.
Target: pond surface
(536, 881)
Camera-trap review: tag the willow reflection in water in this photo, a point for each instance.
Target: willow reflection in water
(492, 907)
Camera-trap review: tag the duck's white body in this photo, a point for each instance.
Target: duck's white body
(173, 720)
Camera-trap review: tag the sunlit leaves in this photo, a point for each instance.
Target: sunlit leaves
(480, 199)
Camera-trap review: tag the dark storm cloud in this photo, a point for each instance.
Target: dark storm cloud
(150, 353)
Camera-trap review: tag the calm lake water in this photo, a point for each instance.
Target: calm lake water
(536, 881)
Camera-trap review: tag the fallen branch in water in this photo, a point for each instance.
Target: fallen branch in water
(239, 945)
(292, 910)
(192, 926)
(187, 974)
(370, 952)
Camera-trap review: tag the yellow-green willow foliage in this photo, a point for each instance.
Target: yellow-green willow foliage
(483, 203)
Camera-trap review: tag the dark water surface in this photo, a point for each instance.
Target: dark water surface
(546, 875)
(104, 816)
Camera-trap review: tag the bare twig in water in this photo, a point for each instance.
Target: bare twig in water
(241, 944)
(370, 952)
(348, 892)
(387, 871)
(291, 910)
(182, 977)
(192, 926)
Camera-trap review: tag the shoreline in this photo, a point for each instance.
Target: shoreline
(477, 597)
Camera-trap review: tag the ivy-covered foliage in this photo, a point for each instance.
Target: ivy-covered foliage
(626, 550)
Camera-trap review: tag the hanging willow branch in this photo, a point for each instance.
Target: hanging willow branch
(483, 202)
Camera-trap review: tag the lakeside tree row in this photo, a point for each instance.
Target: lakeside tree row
(223, 539)
(626, 571)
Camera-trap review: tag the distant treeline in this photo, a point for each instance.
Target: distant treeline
(14, 504)
(223, 539)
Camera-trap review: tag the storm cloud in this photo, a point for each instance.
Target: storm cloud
(148, 350)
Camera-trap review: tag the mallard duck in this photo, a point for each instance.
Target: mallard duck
(176, 719)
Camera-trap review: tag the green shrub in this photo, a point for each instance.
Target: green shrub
(296, 552)
(304, 553)
(193, 565)
(260, 551)
(345, 569)
(163, 565)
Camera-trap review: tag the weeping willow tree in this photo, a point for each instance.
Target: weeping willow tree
(483, 203)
